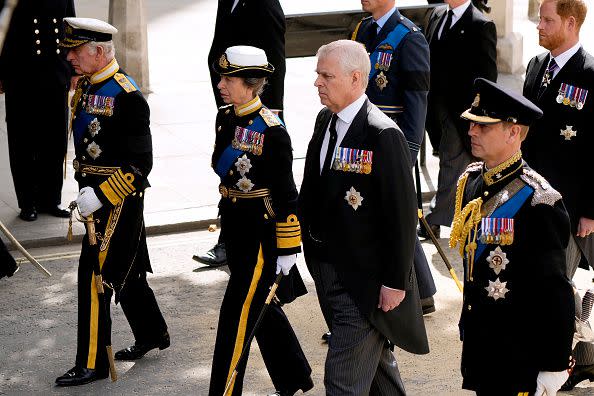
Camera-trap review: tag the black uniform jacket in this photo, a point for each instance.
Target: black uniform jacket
(374, 244)
(528, 327)
(112, 140)
(404, 98)
(469, 52)
(258, 192)
(31, 47)
(564, 161)
(259, 23)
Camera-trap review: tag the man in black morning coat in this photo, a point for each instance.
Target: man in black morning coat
(454, 67)
(561, 82)
(259, 23)
(358, 214)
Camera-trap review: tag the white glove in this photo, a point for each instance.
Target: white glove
(549, 382)
(285, 263)
(87, 201)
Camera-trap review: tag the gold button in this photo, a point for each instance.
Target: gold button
(83, 174)
(227, 111)
(233, 199)
(219, 128)
(35, 20)
(56, 30)
(251, 122)
(486, 193)
(84, 158)
(134, 194)
(58, 51)
(469, 307)
(231, 172)
(36, 31)
(140, 194)
(38, 52)
(37, 42)
(74, 117)
(57, 41)
(55, 21)
(265, 216)
(85, 140)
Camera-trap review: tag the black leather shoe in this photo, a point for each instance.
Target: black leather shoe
(137, 351)
(579, 374)
(428, 305)
(56, 211)
(422, 232)
(307, 385)
(80, 376)
(28, 214)
(326, 336)
(215, 257)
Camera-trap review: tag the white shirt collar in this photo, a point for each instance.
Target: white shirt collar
(382, 21)
(459, 11)
(563, 58)
(348, 113)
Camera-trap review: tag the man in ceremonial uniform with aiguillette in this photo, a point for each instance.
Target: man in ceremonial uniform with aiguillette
(112, 140)
(512, 228)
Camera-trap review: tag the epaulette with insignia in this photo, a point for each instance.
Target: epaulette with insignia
(269, 117)
(544, 193)
(124, 82)
(356, 31)
(409, 24)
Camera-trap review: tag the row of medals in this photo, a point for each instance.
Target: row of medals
(572, 96)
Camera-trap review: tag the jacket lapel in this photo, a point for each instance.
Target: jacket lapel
(357, 130)
(385, 30)
(313, 165)
(534, 78)
(436, 23)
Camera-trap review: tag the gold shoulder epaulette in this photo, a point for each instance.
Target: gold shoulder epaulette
(472, 167)
(544, 193)
(124, 82)
(269, 117)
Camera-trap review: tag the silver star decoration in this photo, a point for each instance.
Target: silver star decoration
(244, 184)
(497, 289)
(94, 150)
(354, 198)
(243, 165)
(94, 127)
(497, 260)
(568, 132)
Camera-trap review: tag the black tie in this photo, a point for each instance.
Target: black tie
(372, 35)
(447, 25)
(331, 145)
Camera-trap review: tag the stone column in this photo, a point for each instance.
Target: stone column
(509, 43)
(533, 10)
(129, 17)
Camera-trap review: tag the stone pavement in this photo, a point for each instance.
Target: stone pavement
(184, 191)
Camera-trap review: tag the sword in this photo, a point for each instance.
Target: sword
(246, 345)
(25, 253)
(430, 233)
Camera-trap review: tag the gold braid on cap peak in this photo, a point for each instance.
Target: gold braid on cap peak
(465, 220)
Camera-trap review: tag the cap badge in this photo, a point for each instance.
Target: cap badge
(568, 132)
(354, 198)
(68, 29)
(477, 100)
(223, 62)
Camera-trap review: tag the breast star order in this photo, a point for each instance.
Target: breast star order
(568, 132)
(497, 260)
(243, 165)
(354, 198)
(245, 184)
(497, 289)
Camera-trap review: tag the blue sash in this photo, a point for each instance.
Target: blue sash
(394, 38)
(507, 210)
(83, 119)
(230, 154)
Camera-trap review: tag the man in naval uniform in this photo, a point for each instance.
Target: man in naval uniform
(113, 147)
(512, 229)
(561, 81)
(398, 86)
(34, 75)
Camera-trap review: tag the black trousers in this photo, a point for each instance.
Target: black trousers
(94, 322)
(7, 263)
(252, 267)
(36, 119)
